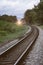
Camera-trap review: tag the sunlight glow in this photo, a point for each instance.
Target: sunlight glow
(19, 23)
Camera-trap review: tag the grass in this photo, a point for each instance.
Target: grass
(9, 31)
(41, 26)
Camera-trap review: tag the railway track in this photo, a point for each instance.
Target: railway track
(13, 55)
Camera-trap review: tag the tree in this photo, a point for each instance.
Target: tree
(27, 16)
(35, 15)
(39, 11)
(8, 18)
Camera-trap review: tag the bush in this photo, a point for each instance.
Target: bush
(3, 33)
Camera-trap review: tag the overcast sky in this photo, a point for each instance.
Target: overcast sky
(16, 7)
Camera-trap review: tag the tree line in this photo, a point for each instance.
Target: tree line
(35, 15)
(8, 18)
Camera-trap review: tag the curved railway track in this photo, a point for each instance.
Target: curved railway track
(13, 55)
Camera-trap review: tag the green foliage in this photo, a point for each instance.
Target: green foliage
(3, 33)
(8, 18)
(40, 13)
(9, 31)
(35, 15)
(27, 16)
(6, 26)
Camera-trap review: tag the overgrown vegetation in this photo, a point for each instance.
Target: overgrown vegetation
(35, 16)
(8, 18)
(9, 31)
(41, 26)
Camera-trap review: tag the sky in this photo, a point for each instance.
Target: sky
(16, 7)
